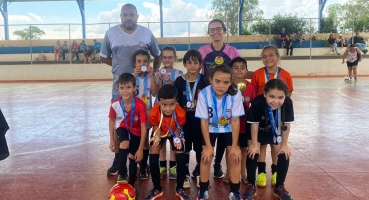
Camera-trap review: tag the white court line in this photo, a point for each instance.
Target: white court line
(339, 91)
(56, 148)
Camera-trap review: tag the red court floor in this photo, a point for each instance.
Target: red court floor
(58, 140)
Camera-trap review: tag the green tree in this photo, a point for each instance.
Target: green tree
(32, 32)
(261, 27)
(291, 22)
(227, 10)
(328, 26)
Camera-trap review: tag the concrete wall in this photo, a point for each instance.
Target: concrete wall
(327, 67)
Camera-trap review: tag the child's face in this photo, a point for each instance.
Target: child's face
(168, 58)
(270, 59)
(275, 98)
(126, 90)
(220, 82)
(168, 106)
(192, 65)
(141, 60)
(239, 69)
(216, 31)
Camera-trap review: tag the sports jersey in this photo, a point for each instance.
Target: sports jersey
(155, 115)
(139, 117)
(212, 58)
(257, 113)
(219, 115)
(192, 123)
(120, 46)
(247, 96)
(143, 92)
(259, 79)
(174, 74)
(351, 57)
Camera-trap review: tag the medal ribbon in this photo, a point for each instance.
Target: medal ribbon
(191, 95)
(273, 120)
(146, 85)
(276, 75)
(125, 114)
(178, 126)
(160, 122)
(224, 103)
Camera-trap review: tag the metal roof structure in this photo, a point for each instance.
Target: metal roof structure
(4, 13)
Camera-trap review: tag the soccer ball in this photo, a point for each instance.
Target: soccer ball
(347, 79)
(122, 192)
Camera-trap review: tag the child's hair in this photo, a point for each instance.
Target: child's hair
(225, 69)
(220, 21)
(140, 52)
(168, 91)
(193, 55)
(351, 45)
(126, 78)
(168, 48)
(279, 85)
(238, 59)
(273, 48)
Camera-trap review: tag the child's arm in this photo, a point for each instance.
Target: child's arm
(344, 55)
(154, 89)
(160, 80)
(254, 147)
(156, 137)
(111, 132)
(235, 150)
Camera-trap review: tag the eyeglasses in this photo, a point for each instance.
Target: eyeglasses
(167, 58)
(218, 29)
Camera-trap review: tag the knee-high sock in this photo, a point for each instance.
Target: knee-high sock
(122, 161)
(261, 167)
(132, 172)
(145, 157)
(251, 165)
(155, 171)
(282, 168)
(181, 169)
(187, 158)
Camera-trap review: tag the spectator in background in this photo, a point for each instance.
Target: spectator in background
(87, 55)
(340, 41)
(283, 35)
(81, 47)
(97, 46)
(299, 37)
(74, 50)
(57, 48)
(289, 45)
(333, 44)
(64, 49)
(359, 42)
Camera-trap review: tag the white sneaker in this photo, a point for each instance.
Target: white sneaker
(198, 181)
(186, 183)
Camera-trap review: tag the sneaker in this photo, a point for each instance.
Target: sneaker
(274, 179)
(122, 179)
(113, 170)
(163, 172)
(181, 194)
(235, 196)
(198, 181)
(355, 79)
(250, 192)
(186, 183)
(203, 195)
(173, 172)
(282, 193)
(143, 175)
(261, 180)
(218, 172)
(196, 171)
(154, 194)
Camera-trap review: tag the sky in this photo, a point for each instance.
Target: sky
(107, 11)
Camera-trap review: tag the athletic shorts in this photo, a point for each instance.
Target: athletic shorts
(222, 137)
(193, 141)
(170, 138)
(134, 141)
(351, 64)
(242, 140)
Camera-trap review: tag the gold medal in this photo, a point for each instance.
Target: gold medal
(241, 87)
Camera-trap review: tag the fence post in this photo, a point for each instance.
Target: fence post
(270, 33)
(148, 25)
(70, 47)
(30, 42)
(353, 30)
(311, 39)
(189, 35)
(109, 25)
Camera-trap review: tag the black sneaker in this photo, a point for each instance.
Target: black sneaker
(196, 171)
(250, 192)
(154, 194)
(181, 194)
(218, 172)
(282, 193)
(122, 179)
(113, 170)
(143, 175)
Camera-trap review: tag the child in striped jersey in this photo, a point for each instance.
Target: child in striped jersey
(167, 75)
(218, 107)
(146, 88)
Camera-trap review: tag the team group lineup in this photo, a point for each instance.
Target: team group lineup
(210, 109)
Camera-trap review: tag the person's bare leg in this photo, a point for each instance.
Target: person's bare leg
(354, 68)
(349, 71)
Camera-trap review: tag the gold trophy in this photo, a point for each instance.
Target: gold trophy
(241, 87)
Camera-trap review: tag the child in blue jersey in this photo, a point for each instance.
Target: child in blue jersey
(218, 107)
(167, 75)
(146, 88)
(189, 86)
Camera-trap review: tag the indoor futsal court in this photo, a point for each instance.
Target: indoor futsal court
(59, 143)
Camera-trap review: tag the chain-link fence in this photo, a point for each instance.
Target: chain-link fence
(39, 43)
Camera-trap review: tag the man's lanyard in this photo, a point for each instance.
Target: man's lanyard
(224, 107)
(125, 114)
(276, 75)
(191, 95)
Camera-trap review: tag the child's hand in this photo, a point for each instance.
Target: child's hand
(207, 154)
(138, 155)
(167, 78)
(252, 150)
(286, 150)
(112, 146)
(236, 153)
(137, 71)
(150, 70)
(179, 145)
(160, 77)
